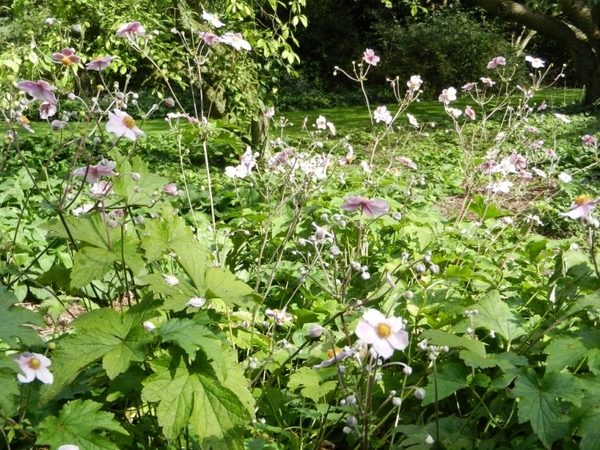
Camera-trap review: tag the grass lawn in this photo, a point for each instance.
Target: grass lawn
(357, 117)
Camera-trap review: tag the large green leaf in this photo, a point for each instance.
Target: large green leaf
(15, 321)
(223, 284)
(115, 337)
(494, 314)
(194, 396)
(190, 337)
(89, 228)
(8, 394)
(312, 382)
(89, 264)
(539, 402)
(569, 350)
(160, 234)
(140, 191)
(450, 378)
(81, 423)
(443, 338)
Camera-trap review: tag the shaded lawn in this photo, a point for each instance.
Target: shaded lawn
(355, 117)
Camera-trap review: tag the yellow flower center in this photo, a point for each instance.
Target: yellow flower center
(34, 363)
(582, 200)
(129, 122)
(66, 61)
(384, 330)
(25, 120)
(333, 351)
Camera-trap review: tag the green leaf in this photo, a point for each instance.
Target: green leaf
(118, 338)
(223, 284)
(15, 321)
(9, 394)
(312, 383)
(570, 350)
(443, 338)
(190, 336)
(175, 296)
(192, 395)
(450, 378)
(80, 423)
(539, 402)
(494, 314)
(89, 264)
(484, 210)
(160, 234)
(138, 192)
(89, 228)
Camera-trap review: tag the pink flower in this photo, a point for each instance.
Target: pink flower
(518, 160)
(536, 63)
(92, 174)
(131, 30)
(269, 113)
(47, 110)
(487, 81)
(470, 113)
(40, 90)
(122, 124)
(589, 140)
(280, 317)
(370, 208)
(497, 61)
(468, 87)
(412, 120)
(33, 365)
(236, 40)
(414, 84)
(99, 63)
(212, 19)
(407, 162)
(581, 207)
(336, 355)
(170, 189)
(370, 57)
(381, 114)
(447, 95)
(542, 106)
(66, 57)
(385, 334)
(210, 38)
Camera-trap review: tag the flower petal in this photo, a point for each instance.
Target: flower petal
(366, 332)
(398, 340)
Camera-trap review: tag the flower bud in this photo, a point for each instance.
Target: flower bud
(315, 331)
(352, 421)
(420, 393)
(434, 269)
(169, 102)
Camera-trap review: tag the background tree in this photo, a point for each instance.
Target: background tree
(573, 23)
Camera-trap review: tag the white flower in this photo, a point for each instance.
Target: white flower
(500, 186)
(149, 326)
(565, 177)
(562, 117)
(412, 120)
(236, 40)
(385, 334)
(447, 95)
(415, 83)
(34, 365)
(381, 114)
(321, 123)
(171, 279)
(196, 302)
(68, 447)
(536, 63)
(581, 208)
(212, 19)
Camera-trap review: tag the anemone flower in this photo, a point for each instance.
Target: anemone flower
(370, 208)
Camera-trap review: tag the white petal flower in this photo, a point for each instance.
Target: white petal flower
(34, 365)
(385, 334)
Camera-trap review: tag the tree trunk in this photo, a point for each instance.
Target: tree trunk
(578, 32)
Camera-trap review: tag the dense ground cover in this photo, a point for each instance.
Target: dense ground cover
(365, 281)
